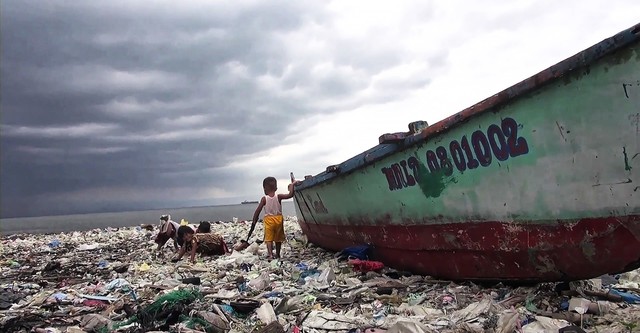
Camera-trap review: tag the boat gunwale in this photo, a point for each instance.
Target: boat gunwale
(569, 65)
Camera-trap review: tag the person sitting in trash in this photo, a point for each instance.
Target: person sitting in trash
(168, 230)
(204, 243)
(203, 228)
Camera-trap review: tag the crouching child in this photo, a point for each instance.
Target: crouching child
(168, 230)
(206, 244)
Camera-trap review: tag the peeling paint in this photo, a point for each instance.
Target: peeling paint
(588, 248)
(627, 167)
(451, 239)
(545, 264)
(635, 120)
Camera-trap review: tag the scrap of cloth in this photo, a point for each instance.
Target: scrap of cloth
(210, 244)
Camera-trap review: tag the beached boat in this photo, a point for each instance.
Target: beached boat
(540, 182)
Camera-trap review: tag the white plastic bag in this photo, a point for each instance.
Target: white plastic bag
(260, 282)
(266, 313)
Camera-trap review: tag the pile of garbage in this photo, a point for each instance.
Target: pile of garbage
(114, 280)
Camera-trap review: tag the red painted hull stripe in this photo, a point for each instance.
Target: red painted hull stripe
(550, 251)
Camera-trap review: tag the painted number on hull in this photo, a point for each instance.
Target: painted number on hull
(498, 142)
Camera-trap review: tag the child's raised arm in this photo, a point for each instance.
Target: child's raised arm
(291, 191)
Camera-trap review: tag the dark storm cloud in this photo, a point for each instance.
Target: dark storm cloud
(125, 101)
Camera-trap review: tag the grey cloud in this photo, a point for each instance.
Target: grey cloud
(134, 95)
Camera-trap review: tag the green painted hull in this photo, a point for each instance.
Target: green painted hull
(556, 158)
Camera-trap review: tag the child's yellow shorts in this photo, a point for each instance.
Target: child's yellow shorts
(273, 228)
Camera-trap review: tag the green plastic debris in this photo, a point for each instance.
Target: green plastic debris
(148, 317)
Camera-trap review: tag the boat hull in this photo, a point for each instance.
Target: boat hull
(539, 182)
(498, 251)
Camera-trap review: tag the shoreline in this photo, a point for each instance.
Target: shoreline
(131, 211)
(86, 222)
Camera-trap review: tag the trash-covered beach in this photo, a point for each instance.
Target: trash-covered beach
(113, 280)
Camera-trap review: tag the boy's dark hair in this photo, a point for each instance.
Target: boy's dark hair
(270, 184)
(185, 230)
(204, 227)
(182, 231)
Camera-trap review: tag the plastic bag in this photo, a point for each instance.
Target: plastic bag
(359, 252)
(260, 282)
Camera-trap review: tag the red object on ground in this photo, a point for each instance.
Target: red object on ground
(94, 303)
(366, 265)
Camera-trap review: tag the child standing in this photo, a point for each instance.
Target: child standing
(273, 220)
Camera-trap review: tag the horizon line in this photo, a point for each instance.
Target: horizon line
(124, 211)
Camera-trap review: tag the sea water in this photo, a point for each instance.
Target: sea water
(81, 222)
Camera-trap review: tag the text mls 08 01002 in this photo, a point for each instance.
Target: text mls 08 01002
(498, 142)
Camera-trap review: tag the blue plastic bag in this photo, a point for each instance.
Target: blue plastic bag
(627, 297)
(361, 252)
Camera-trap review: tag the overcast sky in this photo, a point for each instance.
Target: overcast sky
(124, 105)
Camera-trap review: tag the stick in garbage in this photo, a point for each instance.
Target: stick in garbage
(244, 244)
(258, 241)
